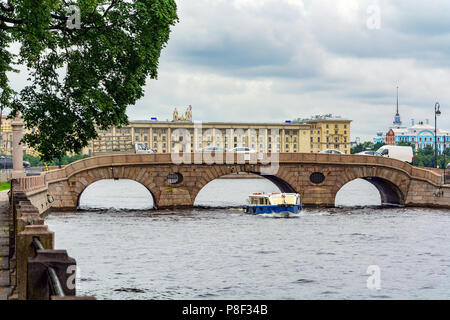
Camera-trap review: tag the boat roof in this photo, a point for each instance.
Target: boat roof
(273, 194)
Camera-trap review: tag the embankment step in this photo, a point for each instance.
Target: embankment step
(4, 278)
(4, 241)
(4, 264)
(5, 292)
(4, 251)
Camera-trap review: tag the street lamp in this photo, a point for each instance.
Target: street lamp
(437, 112)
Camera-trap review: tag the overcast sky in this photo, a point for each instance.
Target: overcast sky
(273, 60)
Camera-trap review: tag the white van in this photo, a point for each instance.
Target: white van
(397, 152)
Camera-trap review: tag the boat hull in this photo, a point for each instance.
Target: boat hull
(276, 211)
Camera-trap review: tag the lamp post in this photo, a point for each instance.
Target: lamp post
(437, 112)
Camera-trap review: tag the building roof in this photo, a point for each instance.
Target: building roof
(215, 123)
(417, 128)
(325, 117)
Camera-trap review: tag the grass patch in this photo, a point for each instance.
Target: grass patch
(5, 186)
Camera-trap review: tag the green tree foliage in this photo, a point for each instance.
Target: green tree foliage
(425, 158)
(84, 77)
(422, 158)
(38, 162)
(365, 146)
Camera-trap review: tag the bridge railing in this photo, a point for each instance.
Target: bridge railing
(32, 183)
(50, 274)
(33, 261)
(447, 178)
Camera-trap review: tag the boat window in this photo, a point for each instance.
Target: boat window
(290, 199)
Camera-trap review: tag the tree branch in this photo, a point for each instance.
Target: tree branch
(9, 8)
(113, 2)
(10, 20)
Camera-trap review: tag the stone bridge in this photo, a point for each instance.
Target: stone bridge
(316, 177)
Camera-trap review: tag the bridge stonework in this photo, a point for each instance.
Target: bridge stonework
(398, 182)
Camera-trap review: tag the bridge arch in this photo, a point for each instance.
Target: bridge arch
(211, 173)
(81, 181)
(117, 194)
(270, 183)
(391, 184)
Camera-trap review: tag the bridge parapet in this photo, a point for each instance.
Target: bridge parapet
(33, 183)
(31, 267)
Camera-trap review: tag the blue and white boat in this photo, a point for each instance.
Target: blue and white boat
(277, 205)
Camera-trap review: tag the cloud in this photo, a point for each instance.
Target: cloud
(272, 60)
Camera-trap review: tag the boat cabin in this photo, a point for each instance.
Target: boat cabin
(273, 199)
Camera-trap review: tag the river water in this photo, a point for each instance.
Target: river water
(125, 250)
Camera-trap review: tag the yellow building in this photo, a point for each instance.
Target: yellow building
(302, 135)
(6, 138)
(328, 132)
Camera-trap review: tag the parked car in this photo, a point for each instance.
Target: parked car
(7, 163)
(142, 148)
(331, 151)
(397, 152)
(212, 149)
(370, 153)
(242, 150)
